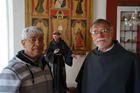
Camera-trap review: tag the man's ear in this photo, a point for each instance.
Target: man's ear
(23, 43)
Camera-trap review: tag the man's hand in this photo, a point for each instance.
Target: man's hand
(56, 51)
(74, 56)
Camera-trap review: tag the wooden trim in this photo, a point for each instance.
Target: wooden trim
(111, 14)
(128, 4)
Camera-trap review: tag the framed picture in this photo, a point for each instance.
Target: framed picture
(60, 22)
(79, 8)
(70, 17)
(39, 7)
(43, 23)
(79, 34)
(64, 4)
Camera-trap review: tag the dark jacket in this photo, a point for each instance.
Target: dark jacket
(57, 62)
(114, 71)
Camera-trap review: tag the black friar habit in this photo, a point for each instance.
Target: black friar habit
(114, 71)
(58, 63)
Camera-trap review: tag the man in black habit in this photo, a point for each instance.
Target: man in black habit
(109, 68)
(58, 53)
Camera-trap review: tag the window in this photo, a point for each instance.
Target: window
(3, 35)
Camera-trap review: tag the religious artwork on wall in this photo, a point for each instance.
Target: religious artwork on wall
(78, 34)
(43, 23)
(60, 22)
(79, 8)
(70, 17)
(40, 7)
(60, 3)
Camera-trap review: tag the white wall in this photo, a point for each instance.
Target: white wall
(73, 71)
(99, 7)
(18, 23)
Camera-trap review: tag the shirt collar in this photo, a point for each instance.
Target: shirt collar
(108, 48)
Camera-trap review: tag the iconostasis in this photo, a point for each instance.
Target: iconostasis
(71, 18)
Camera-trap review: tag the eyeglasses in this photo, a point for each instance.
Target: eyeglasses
(95, 32)
(34, 39)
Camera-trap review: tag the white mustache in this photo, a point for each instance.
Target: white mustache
(100, 39)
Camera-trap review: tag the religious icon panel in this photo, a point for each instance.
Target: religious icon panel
(71, 18)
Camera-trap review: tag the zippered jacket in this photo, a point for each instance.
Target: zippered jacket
(23, 76)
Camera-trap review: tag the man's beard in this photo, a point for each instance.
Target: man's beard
(104, 42)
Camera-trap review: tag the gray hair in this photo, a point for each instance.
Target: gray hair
(31, 30)
(102, 21)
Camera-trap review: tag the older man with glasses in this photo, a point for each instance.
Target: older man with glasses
(109, 68)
